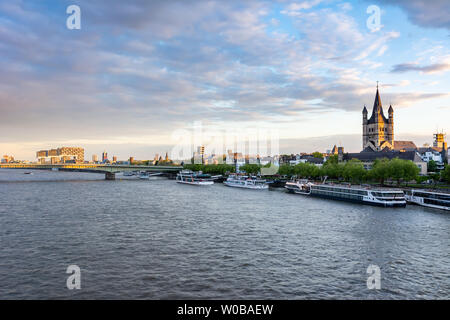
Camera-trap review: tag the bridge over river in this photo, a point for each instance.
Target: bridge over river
(108, 169)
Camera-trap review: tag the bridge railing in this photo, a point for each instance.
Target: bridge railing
(88, 166)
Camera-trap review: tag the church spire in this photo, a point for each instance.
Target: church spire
(377, 107)
(377, 111)
(377, 103)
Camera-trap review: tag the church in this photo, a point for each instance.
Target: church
(378, 131)
(378, 139)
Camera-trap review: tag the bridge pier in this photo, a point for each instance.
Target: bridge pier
(110, 176)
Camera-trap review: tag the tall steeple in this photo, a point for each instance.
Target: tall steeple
(378, 131)
(377, 111)
(377, 102)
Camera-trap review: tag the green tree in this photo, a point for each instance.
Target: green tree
(307, 170)
(317, 154)
(210, 168)
(250, 168)
(332, 170)
(286, 170)
(399, 170)
(380, 170)
(354, 171)
(332, 159)
(421, 179)
(411, 171)
(396, 169)
(446, 174)
(219, 168)
(435, 177)
(315, 172)
(193, 167)
(432, 166)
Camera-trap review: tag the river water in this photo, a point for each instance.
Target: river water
(161, 240)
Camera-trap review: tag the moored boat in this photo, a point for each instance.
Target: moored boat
(149, 176)
(297, 186)
(431, 199)
(194, 178)
(144, 176)
(351, 193)
(247, 182)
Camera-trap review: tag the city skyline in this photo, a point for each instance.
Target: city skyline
(130, 78)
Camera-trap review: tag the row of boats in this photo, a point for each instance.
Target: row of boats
(141, 174)
(234, 180)
(385, 197)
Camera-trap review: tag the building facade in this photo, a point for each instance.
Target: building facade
(433, 154)
(368, 158)
(7, 159)
(439, 141)
(61, 155)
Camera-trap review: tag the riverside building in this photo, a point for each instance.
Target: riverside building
(61, 155)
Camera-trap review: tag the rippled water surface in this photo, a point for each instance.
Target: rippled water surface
(162, 240)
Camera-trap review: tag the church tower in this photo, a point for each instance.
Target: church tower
(378, 131)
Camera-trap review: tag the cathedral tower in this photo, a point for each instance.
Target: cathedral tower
(378, 131)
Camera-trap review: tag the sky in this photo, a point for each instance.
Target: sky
(140, 75)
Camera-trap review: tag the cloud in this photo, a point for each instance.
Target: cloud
(403, 83)
(304, 5)
(425, 13)
(406, 99)
(432, 68)
(345, 6)
(146, 68)
(378, 44)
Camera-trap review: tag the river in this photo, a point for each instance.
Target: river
(137, 239)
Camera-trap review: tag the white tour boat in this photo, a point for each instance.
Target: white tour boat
(194, 178)
(431, 199)
(359, 194)
(149, 176)
(246, 182)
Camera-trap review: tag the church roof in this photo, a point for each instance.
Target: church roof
(315, 160)
(369, 156)
(404, 145)
(377, 110)
(428, 149)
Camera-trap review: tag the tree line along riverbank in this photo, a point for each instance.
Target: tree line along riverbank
(384, 172)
